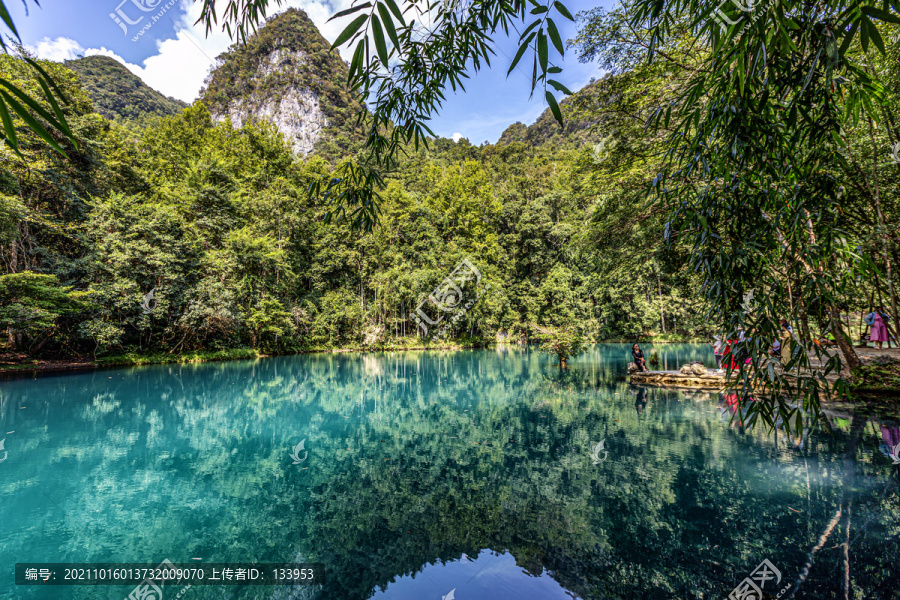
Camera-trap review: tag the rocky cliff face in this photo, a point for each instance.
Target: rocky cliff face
(294, 111)
(285, 74)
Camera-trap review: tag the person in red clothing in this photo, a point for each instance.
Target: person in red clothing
(728, 355)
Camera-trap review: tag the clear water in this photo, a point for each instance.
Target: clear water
(431, 473)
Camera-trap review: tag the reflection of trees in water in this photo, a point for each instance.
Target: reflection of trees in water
(449, 452)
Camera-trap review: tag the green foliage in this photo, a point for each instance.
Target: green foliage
(268, 321)
(33, 306)
(564, 343)
(409, 66)
(37, 109)
(219, 224)
(758, 174)
(196, 356)
(118, 94)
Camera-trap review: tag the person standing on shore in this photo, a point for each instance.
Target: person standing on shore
(879, 334)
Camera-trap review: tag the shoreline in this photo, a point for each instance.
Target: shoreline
(39, 366)
(33, 367)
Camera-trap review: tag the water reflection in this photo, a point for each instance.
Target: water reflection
(412, 460)
(489, 575)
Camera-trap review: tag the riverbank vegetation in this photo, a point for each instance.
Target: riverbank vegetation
(218, 224)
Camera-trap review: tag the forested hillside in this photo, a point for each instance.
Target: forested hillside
(286, 74)
(118, 94)
(217, 222)
(580, 127)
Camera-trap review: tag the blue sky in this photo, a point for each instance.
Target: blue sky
(174, 56)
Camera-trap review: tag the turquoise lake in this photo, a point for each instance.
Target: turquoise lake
(441, 475)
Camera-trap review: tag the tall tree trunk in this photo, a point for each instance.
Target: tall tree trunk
(886, 247)
(662, 314)
(804, 322)
(846, 348)
(790, 295)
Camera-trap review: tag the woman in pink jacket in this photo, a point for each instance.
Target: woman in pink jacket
(879, 333)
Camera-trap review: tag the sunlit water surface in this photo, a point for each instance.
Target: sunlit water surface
(438, 475)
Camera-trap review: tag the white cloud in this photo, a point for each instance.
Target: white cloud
(59, 49)
(457, 136)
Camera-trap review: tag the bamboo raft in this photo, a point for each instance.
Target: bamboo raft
(710, 380)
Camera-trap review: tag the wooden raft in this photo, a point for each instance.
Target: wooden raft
(675, 378)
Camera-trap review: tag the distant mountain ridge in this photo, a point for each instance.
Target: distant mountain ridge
(118, 94)
(286, 73)
(579, 113)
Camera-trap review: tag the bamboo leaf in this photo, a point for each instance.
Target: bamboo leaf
(876, 37)
(4, 14)
(396, 10)
(881, 15)
(9, 129)
(522, 48)
(528, 29)
(37, 67)
(350, 11)
(864, 33)
(32, 123)
(555, 38)
(36, 108)
(561, 9)
(554, 107)
(351, 29)
(60, 117)
(848, 38)
(356, 63)
(542, 50)
(389, 25)
(380, 46)
(559, 87)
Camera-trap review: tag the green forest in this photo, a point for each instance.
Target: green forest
(219, 223)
